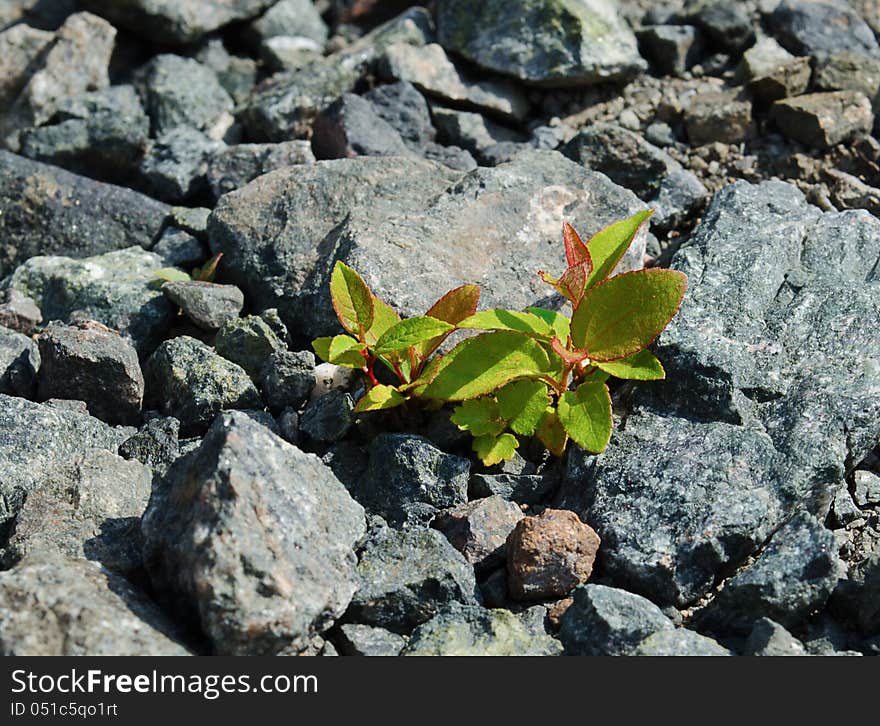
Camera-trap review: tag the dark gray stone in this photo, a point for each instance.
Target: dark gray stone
(407, 576)
(19, 362)
(290, 18)
(405, 110)
(726, 25)
(188, 380)
(551, 42)
(867, 488)
(179, 248)
(471, 131)
(236, 74)
(679, 642)
(607, 621)
(175, 166)
(249, 342)
(207, 304)
(48, 211)
(365, 640)
(287, 379)
(351, 127)
(672, 49)
(156, 444)
(479, 529)
(90, 362)
(59, 606)
(255, 538)
(821, 28)
(328, 418)
(769, 638)
(519, 488)
(234, 166)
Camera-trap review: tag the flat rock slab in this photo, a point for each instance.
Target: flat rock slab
(48, 211)
(772, 391)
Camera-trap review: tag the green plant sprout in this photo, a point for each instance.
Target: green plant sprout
(533, 373)
(205, 273)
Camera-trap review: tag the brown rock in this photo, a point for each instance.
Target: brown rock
(557, 610)
(720, 116)
(479, 529)
(824, 119)
(549, 555)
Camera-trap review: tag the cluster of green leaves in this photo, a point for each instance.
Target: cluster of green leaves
(205, 273)
(533, 373)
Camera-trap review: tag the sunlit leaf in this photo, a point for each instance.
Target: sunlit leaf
(643, 366)
(585, 414)
(522, 403)
(452, 308)
(557, 321)
(342, 350)
(352, 299)
(379, 398)
(576, 252)
(551, 432)
(410, 332)
(480, 416)
(499, 319)
(571, 357)
(171, 274)
(624, 314)
(384, 316)
(608, 246)
(495, 449)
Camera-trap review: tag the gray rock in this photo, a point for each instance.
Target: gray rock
(672, 49)
(207, 304)
(405, 110)
(769, 638)
(824, 119)
(190, 219)
(365, 640)
(288, 426)
(90, 362)
(236, 74)
(843, 509)
(519, 488)
(188, 380)
(784, 393)
(407, 576)
(551, 42)
(101, 135)
(723, 116)
(350, 127)
(432, 72)
(18, 312)
(156, 444)
(608, 621)
(773, 73)
(90, 509)
(471, 630)
(792, 578)
(175, 165)
(328, 418)
(271, 317)
(37, 441)
(408, 479)
(175, 21)
(858, 596)
(867, 488)
(821, 28)
(255, 537)
(479, 529)
(19, 362)
(451, 156)
(249, 342)
(726, 25)
(59, 606)
(471, 131)
(20, 50)
(116, 289)
(850, 72)
(179, 248)
(287, 379)
(290, 18)
(234, 166)
(48, 211)
(679, 642)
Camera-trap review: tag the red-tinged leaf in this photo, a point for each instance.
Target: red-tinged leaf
(411, 332)
(572, 357)
(208, 271)
(561, 325)
(384, 316)
(624, 314)
(499, 319)
(608, 246)
(456, 304)
(352, 300)
(576, 251)
(573, 282)
(586, 415)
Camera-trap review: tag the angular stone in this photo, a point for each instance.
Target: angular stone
(679, 642)
(254, 537)
(18, 312)
(175, 165)
(58, 606)
(407, 576)
(479, 529)
(19, 362)
(433, 73)
(248, 342)
(551, 42)
(290, 18)
(233, 167)
(350, 127)
(850, 72)
(328, 418)
(178, 248)
(471, 630)
(287, 379)
(236, 74)
(718, 116)
(549, 555)
(156, 444)
(608, 621)
(20, 50)
(406, 110)
(90, 362)
(519, 488)
(867, 488)
(48, 211)
(824, 119)
(207, 304)
(821, 28)
(726, 25)
(773, 73)
(366, 640)
(769, 638)
(471, 131)
(188, 380)
(672, 49)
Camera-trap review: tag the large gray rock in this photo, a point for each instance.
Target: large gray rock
(175, 21)
(819, 28)
(549, 42)
(116, 289)
(189, 381)
(255, 538)
(48, 211)
(407, 576)
(679, 642)
(233, 167)
(471, 630)
(410, 230)
(772, 390)
(58, 606)
(19, 361)
(37, 442)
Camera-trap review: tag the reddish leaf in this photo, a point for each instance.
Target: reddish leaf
(576, 251)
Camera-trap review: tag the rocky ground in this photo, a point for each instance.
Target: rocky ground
(176, 474)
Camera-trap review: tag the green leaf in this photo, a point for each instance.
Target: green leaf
(479, 365)
(608, 246)
(624, 314)
(480, 416)
(410, 332)
(171, 274)
(342, 350)
(495, 449)
(452, 308)
(557, 321)
(551, 432)
(499, 319)
(585, 413)
(379, 398)
(523, 404)
(643, 366)
(384, 316)
(352, 299)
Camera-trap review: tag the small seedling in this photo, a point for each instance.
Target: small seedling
(205, 273)
(534, 373)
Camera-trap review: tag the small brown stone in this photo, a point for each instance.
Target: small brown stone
(557, 610)
(549, 555)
